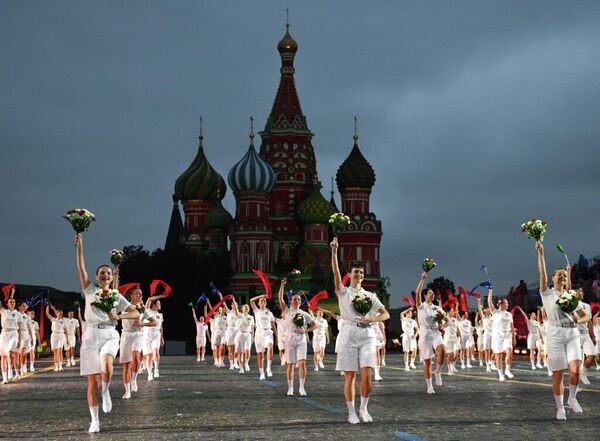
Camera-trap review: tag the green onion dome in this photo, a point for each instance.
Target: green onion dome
(200, 180)
(315, 209)
(218, 217)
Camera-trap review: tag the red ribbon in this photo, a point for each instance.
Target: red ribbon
(127, 286)
(594, 306)
(312, 303)
(156, 283)
(452, 300)
(438, 296)
(265, 281)
(345, 279)
(512, 311)
(476, 295)
(6, 290)
(464, 307)
(409, 301)
(216, 307)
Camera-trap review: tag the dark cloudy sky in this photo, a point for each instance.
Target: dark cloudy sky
(475, 115)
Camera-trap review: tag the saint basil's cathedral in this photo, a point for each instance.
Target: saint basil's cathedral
(281, 216)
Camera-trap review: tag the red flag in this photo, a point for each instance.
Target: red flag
(216, 307)
(409, 301)
(476, 295)
(156, 283)
(265, 281)
(127, 286)
(594, 306)
(345, 279)
(312, 303)
(512, 311)
(464, 307)
(6, 290)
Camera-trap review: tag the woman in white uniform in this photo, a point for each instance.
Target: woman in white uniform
(25, 338)
(231, 332)
(479, 332)
(73, 333)
(503, 335)
(563, 345)
(534, 338)
(465, 328)
(451, 341)
(486, 320)
(295, 339)
(586, 335)
(320, 339)
(9, 338)
(243, 337)
(153, 336)
(58, 336)
(281, 332)
(430, 340)
(409, 338)
(596, 322)
(100, 342)
(132, 341)
(201, 334)
(35, 332)
(265, 327)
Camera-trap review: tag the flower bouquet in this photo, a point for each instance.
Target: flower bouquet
(116, 257)
(438, 317)
(428, 264)
(80, 219)
(140, 308)
(108, 302)
(362, 304)
(295, 275)
(190, 305)
(298, 320)
(535, 228)
(568, 301)
(339, 222)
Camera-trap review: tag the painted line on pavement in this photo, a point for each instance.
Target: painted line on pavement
(407, 436)
(308, 401)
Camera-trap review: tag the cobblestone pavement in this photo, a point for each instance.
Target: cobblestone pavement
(197, 401)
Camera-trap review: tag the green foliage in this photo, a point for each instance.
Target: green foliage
(442, 284)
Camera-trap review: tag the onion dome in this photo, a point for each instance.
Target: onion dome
(251, 173)
(287, 44)
(218, 217)
(200, 180)
(315, 209)
(355, 171)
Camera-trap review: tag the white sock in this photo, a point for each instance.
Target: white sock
(428, 381)
(350, 406)
(105, 387)
(302, 381)
(572, 392)
(508, 367)
(261, 371)
(94, 414)
(269, 364)
(127, 388)
(291, 384)
(134, 377)
(156, 364)
(558, 399)
(584, 370)
(376, 369)
(363, 403)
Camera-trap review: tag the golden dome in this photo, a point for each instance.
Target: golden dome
(287, 43)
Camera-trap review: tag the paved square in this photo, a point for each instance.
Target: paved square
(197, 401)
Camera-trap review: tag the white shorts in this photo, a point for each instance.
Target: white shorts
(25, 342)
(563, 346)
(70, 341)
(534, 342)
(598, 345)
(467, 342)
(230, 337)
(587, 346)
(318, 342)
(409, 343)
(487, 341)
(502, 342)
(94, 344)
(480, 343)
(218, 339)
(34, 343)
(151, 342)
(243, 342)
(428, 342)
(357, 348)
(281, 341)
(200, 340)
(130, 342)
(57, 341)
(452, 345)
(295, 348)
(262, 340)
(9, 341)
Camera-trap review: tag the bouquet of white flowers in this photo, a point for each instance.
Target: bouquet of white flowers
(567, 301)
(428, 264)
(339, 222)
(108, 302)
(116, 257)
(80, 219)
(295, 275)
(362, 304)
(535, 228)
(298, 320)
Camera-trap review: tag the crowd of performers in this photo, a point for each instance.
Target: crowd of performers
(556, 340)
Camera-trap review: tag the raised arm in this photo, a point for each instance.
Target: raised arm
(194, 315)
(151, 299)
(116, 277)
(523, 314)
(568, 284)
(253, 301)
(235, 306)
(79, 315)
(420, 288)
(83, 275)
(280, 296)
(539, 247)
(335, 268)
(329, 314)
(48, 313)
(491, 299)
(403, 314)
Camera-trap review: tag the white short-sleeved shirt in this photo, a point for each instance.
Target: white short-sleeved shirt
(221, 323)
(288, 318)
(583, 328)
(479, 330)
(245, 323)
(345, 296)
(451, 327)
(135, 325)
(555, 315)
(25, 324)
(95, 316)
(501, 321)
(465, 327)
(264, 318)
(59, 325)
(322, 326)
(533, 327)
(35, 327)
(425, 314)
(11, 319)
(487, 324)
(158, 317)
(72, 325)
(232, 320)
(409, 326)
(201, 329)
(281, 326)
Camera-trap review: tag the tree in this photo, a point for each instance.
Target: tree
(442, 284)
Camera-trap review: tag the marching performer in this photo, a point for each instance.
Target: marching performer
(358, 338)
(265, 329)
(534, 338)
(479, 332)
(153, 336)
(465, 328)
(503, 335)
(586, 337)
(58, 336)
(35, 332)
(563, 343)
(73, 334)
(201, 333)
(231, 332)
(410, 331)
(451, 341)
(25, 339)
(9, 338)
(243, 337)
(320, 340)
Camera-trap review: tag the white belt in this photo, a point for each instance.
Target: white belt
(101, 325)
(360, 325)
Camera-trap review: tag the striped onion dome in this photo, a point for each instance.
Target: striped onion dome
(200, 180)
(251, 172)
(315, 209)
